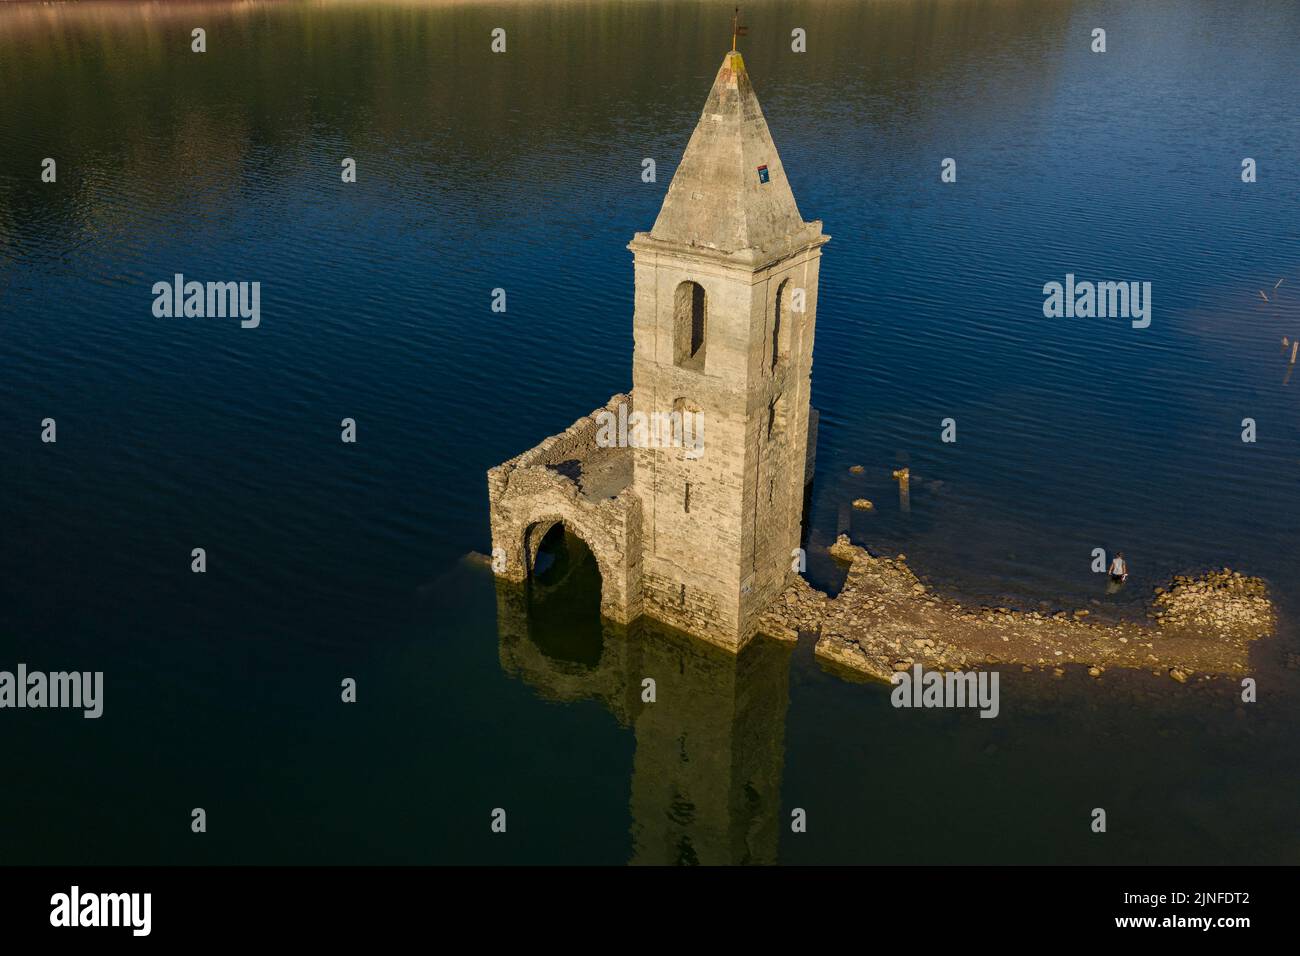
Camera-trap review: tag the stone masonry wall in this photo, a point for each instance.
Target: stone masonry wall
(544, 485)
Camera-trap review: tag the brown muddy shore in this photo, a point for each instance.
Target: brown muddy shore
(885, 620)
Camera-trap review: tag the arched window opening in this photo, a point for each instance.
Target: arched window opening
(690, 318)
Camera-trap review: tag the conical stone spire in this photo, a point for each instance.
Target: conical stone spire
(730, 192)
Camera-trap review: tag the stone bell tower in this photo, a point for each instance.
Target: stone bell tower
(726, 301)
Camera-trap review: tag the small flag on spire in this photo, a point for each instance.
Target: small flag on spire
(736, 29)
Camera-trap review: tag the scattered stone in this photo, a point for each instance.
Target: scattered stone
(801, 608)
(883, 613)
(862, 504)
(857, 469)
(1178, 675)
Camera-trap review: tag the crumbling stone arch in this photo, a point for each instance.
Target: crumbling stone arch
(534, 535)
(533, 531)
(575, 479)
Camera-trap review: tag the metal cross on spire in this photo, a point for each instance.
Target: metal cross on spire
(736, 29)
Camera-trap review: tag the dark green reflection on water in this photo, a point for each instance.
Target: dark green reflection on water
(564, 601)
(706, 777)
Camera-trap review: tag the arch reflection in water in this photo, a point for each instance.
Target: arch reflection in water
(706, 776)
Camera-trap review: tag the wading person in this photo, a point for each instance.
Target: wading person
(1118, 569)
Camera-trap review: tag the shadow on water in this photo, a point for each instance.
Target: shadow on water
(709, 725)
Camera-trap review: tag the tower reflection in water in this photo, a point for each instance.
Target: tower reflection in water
(706, 777)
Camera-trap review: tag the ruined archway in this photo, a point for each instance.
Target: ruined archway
(565, 584)
(535, 535)
(555, 551)
(580, 479)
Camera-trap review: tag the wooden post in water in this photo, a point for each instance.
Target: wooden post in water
(904, 478)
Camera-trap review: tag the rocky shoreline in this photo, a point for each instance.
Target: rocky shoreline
(885, 619)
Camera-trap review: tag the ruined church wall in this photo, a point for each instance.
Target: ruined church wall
(526, 492)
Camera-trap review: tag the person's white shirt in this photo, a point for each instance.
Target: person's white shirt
(1118, 568)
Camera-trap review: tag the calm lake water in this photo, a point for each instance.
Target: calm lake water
(522, 171)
